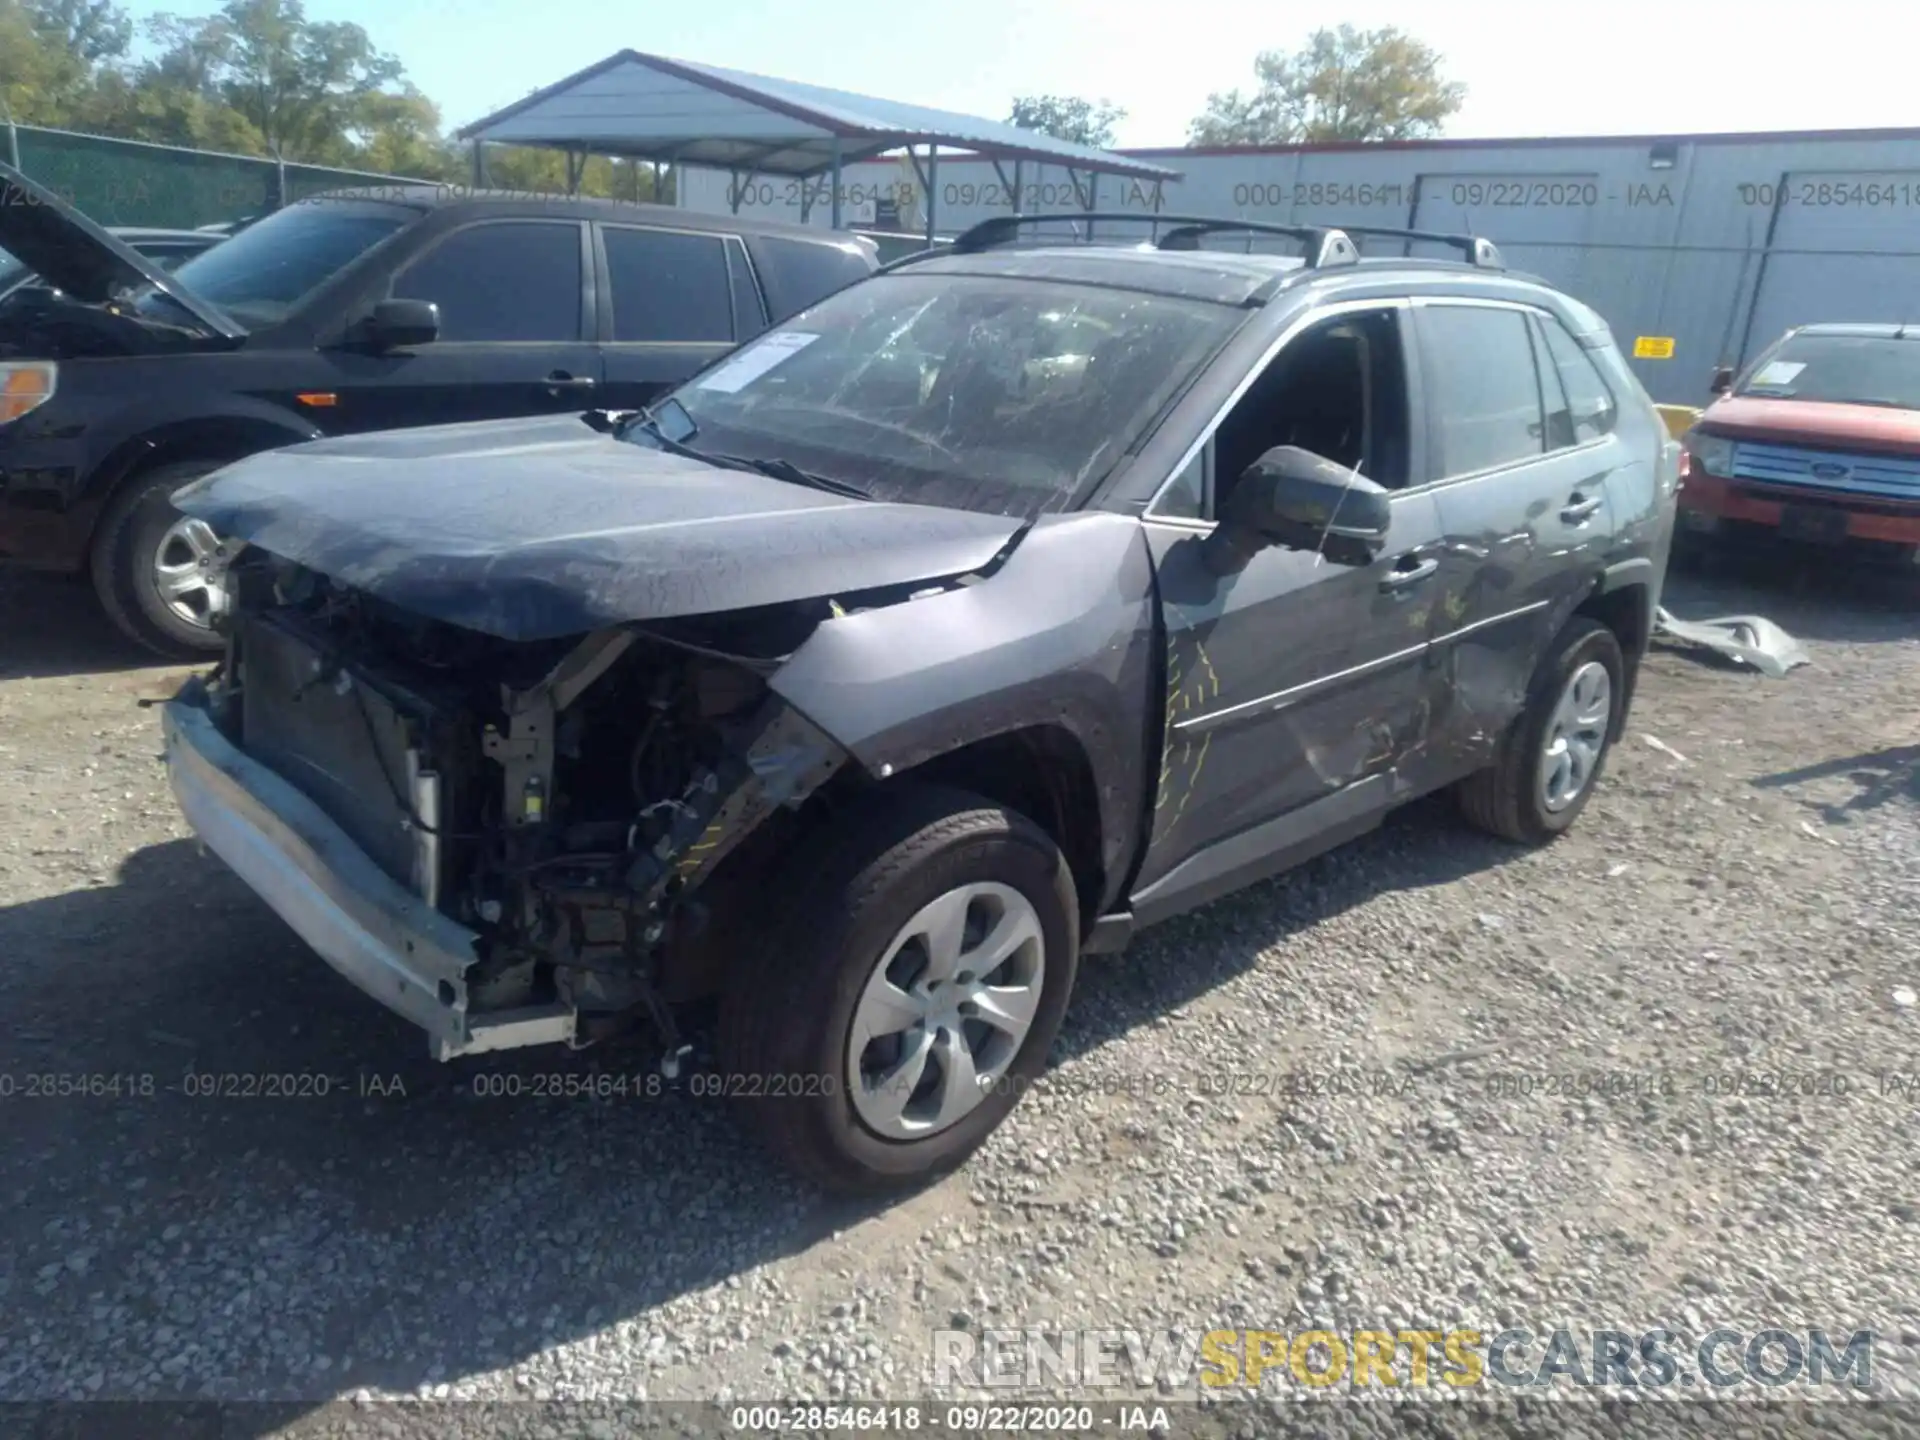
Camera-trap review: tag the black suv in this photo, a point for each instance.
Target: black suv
(998, 605)
(361, 310)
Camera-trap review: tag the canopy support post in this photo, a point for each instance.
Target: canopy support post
(836, 182)
(933, 180)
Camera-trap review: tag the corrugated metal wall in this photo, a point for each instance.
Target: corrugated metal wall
(127, 182)
(1716, 243)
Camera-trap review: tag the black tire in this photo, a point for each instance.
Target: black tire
(787, 1011)
(124, 551)
(1504, 799)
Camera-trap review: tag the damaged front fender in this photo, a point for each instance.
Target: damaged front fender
(1061, 634)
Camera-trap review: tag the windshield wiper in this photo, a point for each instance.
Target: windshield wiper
(793, 474)
(774, 469)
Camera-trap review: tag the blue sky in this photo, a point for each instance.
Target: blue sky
(1622, 67)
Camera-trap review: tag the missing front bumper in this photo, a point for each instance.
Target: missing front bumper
(388, 941)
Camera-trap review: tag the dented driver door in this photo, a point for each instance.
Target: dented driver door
(1293, 689)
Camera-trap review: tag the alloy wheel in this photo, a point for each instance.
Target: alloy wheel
(945, 1011)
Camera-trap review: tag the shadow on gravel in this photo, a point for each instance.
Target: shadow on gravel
(286, 1184)
(288, 1199)
(1420, 845)
(52, 626)
(1878, 776)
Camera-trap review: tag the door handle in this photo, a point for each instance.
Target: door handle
(1578, 510)
(560, 380)
(1410, 571)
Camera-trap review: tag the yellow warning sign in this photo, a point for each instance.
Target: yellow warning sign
(1653, 347)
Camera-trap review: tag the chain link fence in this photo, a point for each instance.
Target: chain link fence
(131, 182)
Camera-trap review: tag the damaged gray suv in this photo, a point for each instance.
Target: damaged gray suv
(1024, 594)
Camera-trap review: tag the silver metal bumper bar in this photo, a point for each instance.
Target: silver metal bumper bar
(388, 941)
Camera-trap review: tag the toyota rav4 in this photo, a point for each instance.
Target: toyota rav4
(1000, 604)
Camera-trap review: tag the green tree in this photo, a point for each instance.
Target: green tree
(544, 172)
(299, 83)
(398, 133)
(39, 76)
(1344, 84)
(91, 31)
(1069, 118)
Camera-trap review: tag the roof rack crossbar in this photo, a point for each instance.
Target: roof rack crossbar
(1324, 244)
(1477, 248)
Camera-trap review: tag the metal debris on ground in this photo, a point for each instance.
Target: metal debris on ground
(1745, 639)
(1657, 743)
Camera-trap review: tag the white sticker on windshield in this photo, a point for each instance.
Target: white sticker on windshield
(751, 364)
(1778, 372)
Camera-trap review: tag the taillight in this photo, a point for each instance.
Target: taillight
(25, 387)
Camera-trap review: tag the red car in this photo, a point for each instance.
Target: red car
(1818, 441)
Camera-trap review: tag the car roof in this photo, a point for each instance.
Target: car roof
(1909, 331)
(467, 201)
(133, 234)
(1224, 277)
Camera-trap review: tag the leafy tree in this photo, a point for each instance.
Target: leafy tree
(1069, 118)
(89, 30)
(399, 134)
(38, 73)
(1344, 84)
(298, 82)
(529, 168)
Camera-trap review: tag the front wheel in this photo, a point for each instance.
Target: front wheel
(1550, 758)
(906, 990)
(153, 568)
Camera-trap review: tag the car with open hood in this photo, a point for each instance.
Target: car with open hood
(167, 248)
(1817, 442)
(350, 312)
(990, 609)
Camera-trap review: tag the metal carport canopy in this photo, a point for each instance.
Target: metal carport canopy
(648, 107)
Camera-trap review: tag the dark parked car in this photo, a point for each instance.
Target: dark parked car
(1819, 441)
(990, 609)
(358, 311)
(168, 249)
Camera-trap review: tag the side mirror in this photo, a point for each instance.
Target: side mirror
(1722, 379)
(1302, 501)
(396, 324)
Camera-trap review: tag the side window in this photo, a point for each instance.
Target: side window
(1339, 389)
(1483, 391)
(1186, 497)
(799, 272)
(503, 281)
(669, 286)
(1591, 409)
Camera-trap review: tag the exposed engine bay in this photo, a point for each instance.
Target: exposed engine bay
(572, 802)
(38, 324)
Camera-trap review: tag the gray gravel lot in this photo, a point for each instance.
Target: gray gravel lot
(1731, 924)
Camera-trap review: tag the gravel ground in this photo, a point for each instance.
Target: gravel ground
(1736, 902)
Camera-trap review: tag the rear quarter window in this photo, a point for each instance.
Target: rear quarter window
(796, 273)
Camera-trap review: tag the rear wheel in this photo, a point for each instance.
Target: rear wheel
(153, 567)
(1551, 756)
(908, 987)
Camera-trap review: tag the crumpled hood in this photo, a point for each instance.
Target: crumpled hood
(535, 529)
